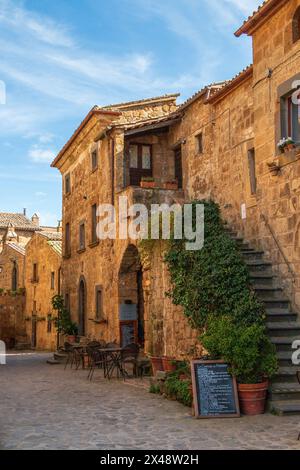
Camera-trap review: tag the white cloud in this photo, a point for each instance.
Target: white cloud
(41, 194)
(41, 155)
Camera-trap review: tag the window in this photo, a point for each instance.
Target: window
(67, 302)
(290, 116)
(82, 236)
(199, 143)
(34, 272)
(94, 158)
(140, 162)
(68, 183)
(67, 240)
(296, 25)
(99, 303)
(178, 166)
(49, 324)
(94, 223)
(14, 280)
(52, 280)
(34, 310)
(252, 170)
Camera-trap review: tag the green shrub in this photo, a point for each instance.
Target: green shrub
(63, 322)
(155, 389)
(179, 389)
(247, 349)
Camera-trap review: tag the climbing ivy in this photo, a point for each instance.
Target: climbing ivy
(214, 280)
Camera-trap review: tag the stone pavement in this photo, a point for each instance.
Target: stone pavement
(45, 407)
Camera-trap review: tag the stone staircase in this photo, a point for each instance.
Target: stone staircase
(283, 325)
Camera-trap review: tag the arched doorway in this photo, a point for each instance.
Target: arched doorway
(14, 278)
(82, 307)
(131, 298)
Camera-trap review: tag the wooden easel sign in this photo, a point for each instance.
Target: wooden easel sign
(214, 390)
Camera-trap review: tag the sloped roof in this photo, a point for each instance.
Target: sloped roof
(51, 236)
(230, 84)
(131, 104)
(213, 87)
(20, 249)
(269, 7)
(56, 246)
(18, 221)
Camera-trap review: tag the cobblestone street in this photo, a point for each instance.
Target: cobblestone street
(45, 407)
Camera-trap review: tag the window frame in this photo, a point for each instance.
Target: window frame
(199, 143)
(290, 117)
(296, 26)
(35, 277)
(67, 239)
(252, 171)
(68, 184)
(82, 236)
(137, 173)
(94, 164)
(52, 282)
(94, 238)
(99, 314)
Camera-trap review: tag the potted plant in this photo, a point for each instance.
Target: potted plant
(171, 185)
(169, 364)
(286, 144)
(63, 322)
(147, 182)
(251, 355)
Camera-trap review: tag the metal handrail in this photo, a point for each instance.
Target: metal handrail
(292, 272)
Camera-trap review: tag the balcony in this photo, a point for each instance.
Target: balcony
(152, 195)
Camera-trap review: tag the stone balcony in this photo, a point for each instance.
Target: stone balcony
(148, 196)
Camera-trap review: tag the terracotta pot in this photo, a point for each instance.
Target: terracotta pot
(253, 398)
(168, 364)
(71, 339)
(171, 186)
(148, 184)
(291, 147)
(157, 364)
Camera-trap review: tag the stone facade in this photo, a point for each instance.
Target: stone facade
(228, 135)
(12, 324)
(42, 283)
(12, 260)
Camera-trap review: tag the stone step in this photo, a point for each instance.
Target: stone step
(58, 356)
(275, 303)
(286, 375)
(268, 292)
(22, 346)
(259, 266)
(286, 408)
(252, 255)
(284, 343)
(285, 359)
(53, 362)
(285, 391)
(290, 329)
(281, 315)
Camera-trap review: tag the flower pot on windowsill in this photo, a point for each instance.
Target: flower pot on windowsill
(148, 184)
(253, 398)
(171, 185)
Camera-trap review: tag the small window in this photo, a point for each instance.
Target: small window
(94, 158)
(34, 309)
(94, 223)
(49, 324)
(67, 302)
(146, 157)
(68, 183)
(252, 171)
(35, 272)
(199, 143)
(52, 280)
(296, 25)
(82, 236)
(133, 156)
(290, 116)
(99, 303)
(67, 240)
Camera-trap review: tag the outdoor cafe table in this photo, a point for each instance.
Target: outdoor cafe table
(113, 360)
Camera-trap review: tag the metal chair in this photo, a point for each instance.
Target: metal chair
(81, 354)
(68, 349)
(97, 361)
(129, 355)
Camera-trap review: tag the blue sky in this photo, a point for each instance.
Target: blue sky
(60, 58)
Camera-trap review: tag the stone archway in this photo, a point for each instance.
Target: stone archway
(131, 298)
(82, 299)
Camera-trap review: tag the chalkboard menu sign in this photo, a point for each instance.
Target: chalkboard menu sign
(214, 390)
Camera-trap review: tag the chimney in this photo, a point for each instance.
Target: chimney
(35, 220)
(24, 211)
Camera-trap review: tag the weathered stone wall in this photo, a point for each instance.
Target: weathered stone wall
(9, 257)
(39, 294)
(12, 322)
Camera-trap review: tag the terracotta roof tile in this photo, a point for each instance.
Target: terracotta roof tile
(20, 249)
(56, 246)
(51, 236)
(18, 221)
(128, 104)
(266, 8)
(229, 84)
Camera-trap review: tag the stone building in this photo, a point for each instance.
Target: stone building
(220, 144)
(42, 281)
